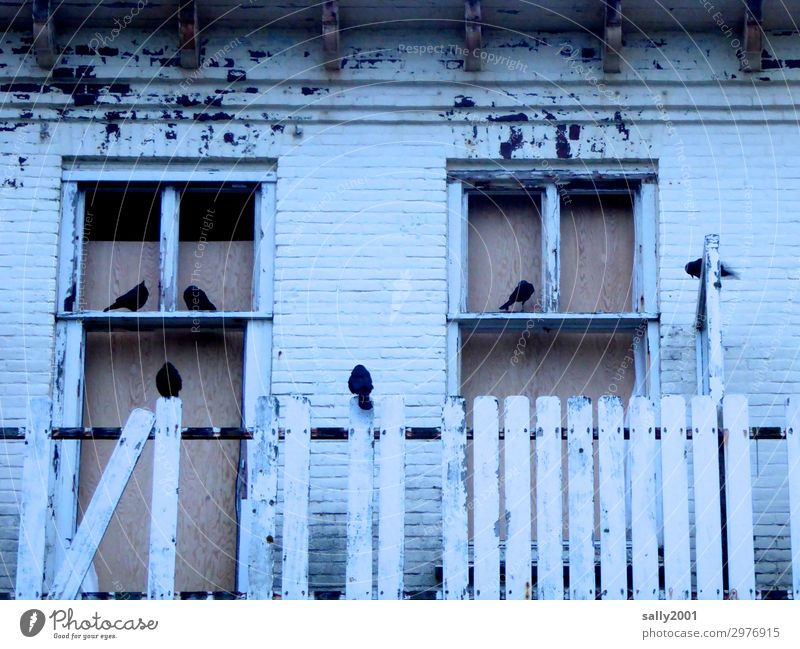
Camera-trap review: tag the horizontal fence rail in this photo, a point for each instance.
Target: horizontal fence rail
(597, 484)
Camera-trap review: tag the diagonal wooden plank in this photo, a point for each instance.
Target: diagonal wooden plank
(549, 508)
(580, 462)
(262, 498)
(455, 558)
(391, 504)
(80, 553)
(361, 446)
(486, 542)
(517, 421)
(644, 531)
(613, 534)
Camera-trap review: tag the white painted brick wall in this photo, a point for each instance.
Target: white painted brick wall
(361, 224)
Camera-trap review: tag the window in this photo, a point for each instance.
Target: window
(194, 229)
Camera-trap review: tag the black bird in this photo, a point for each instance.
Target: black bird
(360, 383)
(133, 300)
(197, 300)
(694, 268)
(522, 293)
(168, 380)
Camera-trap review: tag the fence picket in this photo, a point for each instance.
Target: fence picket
(486, 498)
(361, 447)
(580, 463)
(708, 519)
(549, 509)
(164, 507)
(391, 505)
(739, 498)
(613, 527)
(793, 460)
(296, 490)
(262, 499)
(517, 458)
(675, 498)
(455, 558)
(644, 531)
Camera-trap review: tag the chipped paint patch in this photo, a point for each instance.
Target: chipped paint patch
(513, 143)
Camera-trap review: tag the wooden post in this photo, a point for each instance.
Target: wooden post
(581, 498)
(44, 34)
(793, 461)
(455, 558)
(296, 492)
(713, 318)
(33, 501)
(517, 421)
(361, 445)
(391, 494)
(613, 528)
(189, 34)
(486, 497)
(330, 34)
(78, 558)
(612, 41)
(170, 210)
(551, 248)
(752, 37)
(644, 532)
(262, 499)
(549, 508)
(472, 37)
(164, 506)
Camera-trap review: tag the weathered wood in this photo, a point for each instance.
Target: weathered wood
(189, 35)
(518, 456)
(750, 61)
(296, 491)
(580, 462)
(613, 534)
(713, 318)
(486, 505)
(472, 37)
(391, 494)
(644, 532)
(612, 37)
(739, 498)
(361, 448)
(78, 557)
(262, 499)
(168, 251)
(44, 34)
(33, 501)
(708, 519)
(551, 246)
(793, 461)
(264, 244)
(675, 496)
(164, 505)
(455, 558)
(549, 508)
(330, 34)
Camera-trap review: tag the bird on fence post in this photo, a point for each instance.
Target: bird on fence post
(133, 300)
(360, 383)
(168, 381)
(522, 293)
(695, 268)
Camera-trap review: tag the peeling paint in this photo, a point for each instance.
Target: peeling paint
(516, 117)
(462, 101)
(562, 144)
(513, 143)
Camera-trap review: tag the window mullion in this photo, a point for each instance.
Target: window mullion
(264, 245)
(551, 234)
(170, 210)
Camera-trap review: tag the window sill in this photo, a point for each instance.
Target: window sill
(583, 322)
(98, 320)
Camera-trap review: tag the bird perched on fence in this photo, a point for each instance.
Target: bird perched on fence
(522, 293)
(168, 380)
(360, 383)
(133, 300)
(197, 300)
(694, 268)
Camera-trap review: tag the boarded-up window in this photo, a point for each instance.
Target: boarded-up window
(505, 246)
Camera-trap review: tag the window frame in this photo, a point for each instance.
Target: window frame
(551, 183)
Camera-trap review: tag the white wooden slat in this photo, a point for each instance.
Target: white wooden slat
(551, 247)
(793, 461)
(455, 249)
(675, 497)
(170, 210)
(455, 558)
(391, 494)
(486, 499)
(103, 171)
(264, 245)
(33, 501)
(713, 322)
(613, 527)
(549, 508)
(78, 557)
(296, 492)
(517, 458)
(708, 520)
(164, 506)
(580, 463)
(262, 499)
(361, 447)
(644, 530)
(738, 498)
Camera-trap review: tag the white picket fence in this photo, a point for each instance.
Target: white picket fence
(519, 551)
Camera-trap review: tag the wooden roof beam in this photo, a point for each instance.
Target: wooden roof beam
(44, 34)
(330, 34)
(751, 51)
(188, 32)
(473, 37)
(612, 37)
